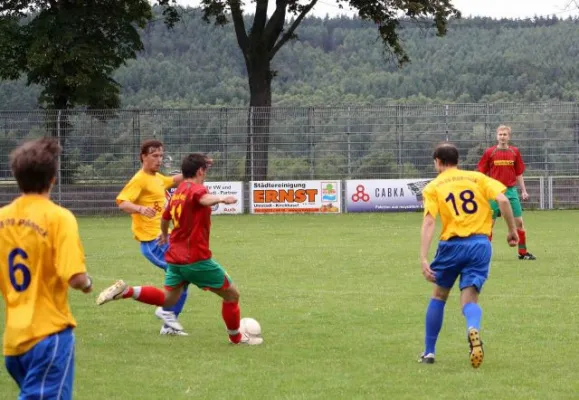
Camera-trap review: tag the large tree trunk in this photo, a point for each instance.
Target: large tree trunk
(256, 161)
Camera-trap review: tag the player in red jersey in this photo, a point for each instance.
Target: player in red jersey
(505, 164)
(189, 259)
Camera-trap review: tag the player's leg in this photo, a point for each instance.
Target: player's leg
(210, 275)
(446, 274)
(15, 369)
(513, 197)
(48, 368)
(143, 294)
(155, 253)
(496, 213)
(477, 259)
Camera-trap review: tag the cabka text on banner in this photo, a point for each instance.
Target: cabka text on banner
(384, 195)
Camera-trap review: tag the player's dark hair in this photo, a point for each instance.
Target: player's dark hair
(148, 146)
(447, 153)
(35, 163)
(193, 163)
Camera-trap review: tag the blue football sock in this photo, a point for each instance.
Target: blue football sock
(178, 307)
(473, 314)
(434, 317)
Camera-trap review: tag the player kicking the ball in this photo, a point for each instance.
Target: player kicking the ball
(505, 164)
(462, 200)
(188, 256)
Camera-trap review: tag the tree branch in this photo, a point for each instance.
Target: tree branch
(259, 18)
(239, 25)
(290, 32)
(275, 24)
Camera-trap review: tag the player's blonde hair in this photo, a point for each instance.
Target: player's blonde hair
(504, 128)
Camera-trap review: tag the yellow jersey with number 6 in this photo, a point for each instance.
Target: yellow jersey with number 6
(40, 250)
(148, 191)
(462, 200)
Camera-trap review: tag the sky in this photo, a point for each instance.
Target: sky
(489, 8)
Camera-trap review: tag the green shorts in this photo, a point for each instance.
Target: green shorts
(206, 274)
(513, 196)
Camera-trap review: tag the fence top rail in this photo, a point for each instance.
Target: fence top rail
(281, 108)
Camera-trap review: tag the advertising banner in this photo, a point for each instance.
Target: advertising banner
(382, 195)
(295, 197)
(223, 189)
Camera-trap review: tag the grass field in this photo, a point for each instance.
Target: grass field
(341, 301)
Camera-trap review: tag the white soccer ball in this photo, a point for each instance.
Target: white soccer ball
(250, 326)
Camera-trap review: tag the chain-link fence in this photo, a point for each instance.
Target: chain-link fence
(101, 147)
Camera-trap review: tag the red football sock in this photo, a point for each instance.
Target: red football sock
(129, 292)
(231, 316)
(491, 237)
(145, 294)
(522, 242)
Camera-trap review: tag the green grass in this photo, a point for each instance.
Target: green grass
(341, 301)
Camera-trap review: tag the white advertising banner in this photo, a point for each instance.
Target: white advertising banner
(384, 195)
(267, 197)
(223, 189)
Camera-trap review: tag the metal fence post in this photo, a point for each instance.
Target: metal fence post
(545, 146)
(136, 138)
(251, 149)
(349, 146)
(446, 121)
(311, 141)
(399, 128)
(224, 139)
(59, 186)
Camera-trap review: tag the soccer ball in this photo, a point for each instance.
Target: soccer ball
(250, 326)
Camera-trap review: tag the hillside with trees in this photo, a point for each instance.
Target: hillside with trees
(341, 62)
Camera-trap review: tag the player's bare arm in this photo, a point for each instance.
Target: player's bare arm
(177, 179)
(507, 213)
(164, 237)
(209, 200)
(426, 234)
(132, 208)
(81, 282)
(521, 183)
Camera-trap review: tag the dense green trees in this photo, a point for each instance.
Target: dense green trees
(338, 61)
(70, 49)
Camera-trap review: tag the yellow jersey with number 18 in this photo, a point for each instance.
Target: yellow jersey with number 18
(40, 250)
(148, 191)
(462, 200)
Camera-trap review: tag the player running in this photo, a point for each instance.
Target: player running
(144, 198)
(41, 255)
(505, 164)
(462, 200)
(189, 257)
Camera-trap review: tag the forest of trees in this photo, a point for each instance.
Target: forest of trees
(341, 62)
(336, 62)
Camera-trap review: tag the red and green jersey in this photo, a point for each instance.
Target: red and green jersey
(504, 165)
(189, 240)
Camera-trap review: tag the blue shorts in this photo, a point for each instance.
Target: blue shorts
(468, 257)
(46, 371)
(155, 253)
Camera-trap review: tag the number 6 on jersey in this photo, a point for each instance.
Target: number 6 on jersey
(14, 267)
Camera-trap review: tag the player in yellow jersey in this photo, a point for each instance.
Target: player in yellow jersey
(461, 198)
(144, 198)
(41, 255)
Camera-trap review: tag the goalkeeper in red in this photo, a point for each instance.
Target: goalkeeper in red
(505, 164)
(189, 259)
